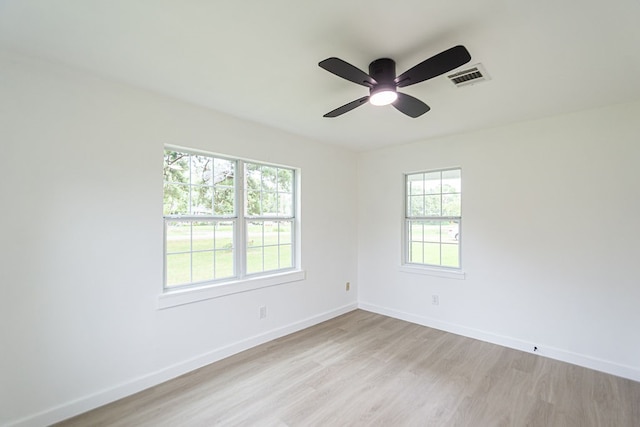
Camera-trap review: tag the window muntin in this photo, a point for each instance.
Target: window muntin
(208, 209)
(433, 218)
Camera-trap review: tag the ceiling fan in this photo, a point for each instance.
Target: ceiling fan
(382, 81)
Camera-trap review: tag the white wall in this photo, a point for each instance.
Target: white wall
(550, 237)
(81, 254)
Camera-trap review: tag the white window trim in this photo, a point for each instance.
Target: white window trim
(243, 282)
(177, 297)
(429, 270)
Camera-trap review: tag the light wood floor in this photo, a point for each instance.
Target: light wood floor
(364, 369)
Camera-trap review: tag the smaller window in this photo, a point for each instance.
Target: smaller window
(433, 218)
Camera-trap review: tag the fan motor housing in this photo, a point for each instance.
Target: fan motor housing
(383, 70)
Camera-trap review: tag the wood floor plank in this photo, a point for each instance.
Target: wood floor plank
(366, 369)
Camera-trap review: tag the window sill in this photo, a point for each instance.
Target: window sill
(433, 271)
(178, 297)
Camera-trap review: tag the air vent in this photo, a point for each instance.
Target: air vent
(474, 74)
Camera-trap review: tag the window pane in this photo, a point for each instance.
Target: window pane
(202, 266)
(432, 231)
(450, 232)
(252, 173)
(269, 178)
(285, 205)
(203, 236)
(271, 258)
(253, 203)
(224, 264)
(178, 237)
(415, 184)
(432, 183)
(450, 255)
(224, 201)
(286, 258)
(223, 172)
(270, 233)
(432, 253)
(451, 204)
(284, 232)
(201, 170)
(254, 260)
(416, 252)
(224, 235)
(269, 204)
(176, 167)
(201, 200)
(176, 199)
(285, 181)
(451, 181)
(432, 205)
(178, 269)
(255, 234)
(416, 231)
(416, 206)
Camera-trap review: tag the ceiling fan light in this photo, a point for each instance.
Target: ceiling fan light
(383, 97)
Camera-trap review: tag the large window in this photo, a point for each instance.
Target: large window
(225, 219)
(433, 218)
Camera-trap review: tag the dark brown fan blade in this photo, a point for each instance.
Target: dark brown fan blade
(434, 66)
(410, 106)
(347, 107)
(347, 71)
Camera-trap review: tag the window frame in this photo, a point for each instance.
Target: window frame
(241, 280)
(425, 268)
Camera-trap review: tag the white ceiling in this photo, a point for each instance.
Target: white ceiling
(258, 59)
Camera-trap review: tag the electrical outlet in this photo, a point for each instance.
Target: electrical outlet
(263, 312)
(347, 286)
(435, 299)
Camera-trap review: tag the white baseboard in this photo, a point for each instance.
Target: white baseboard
(95, 400)
(624, 371)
